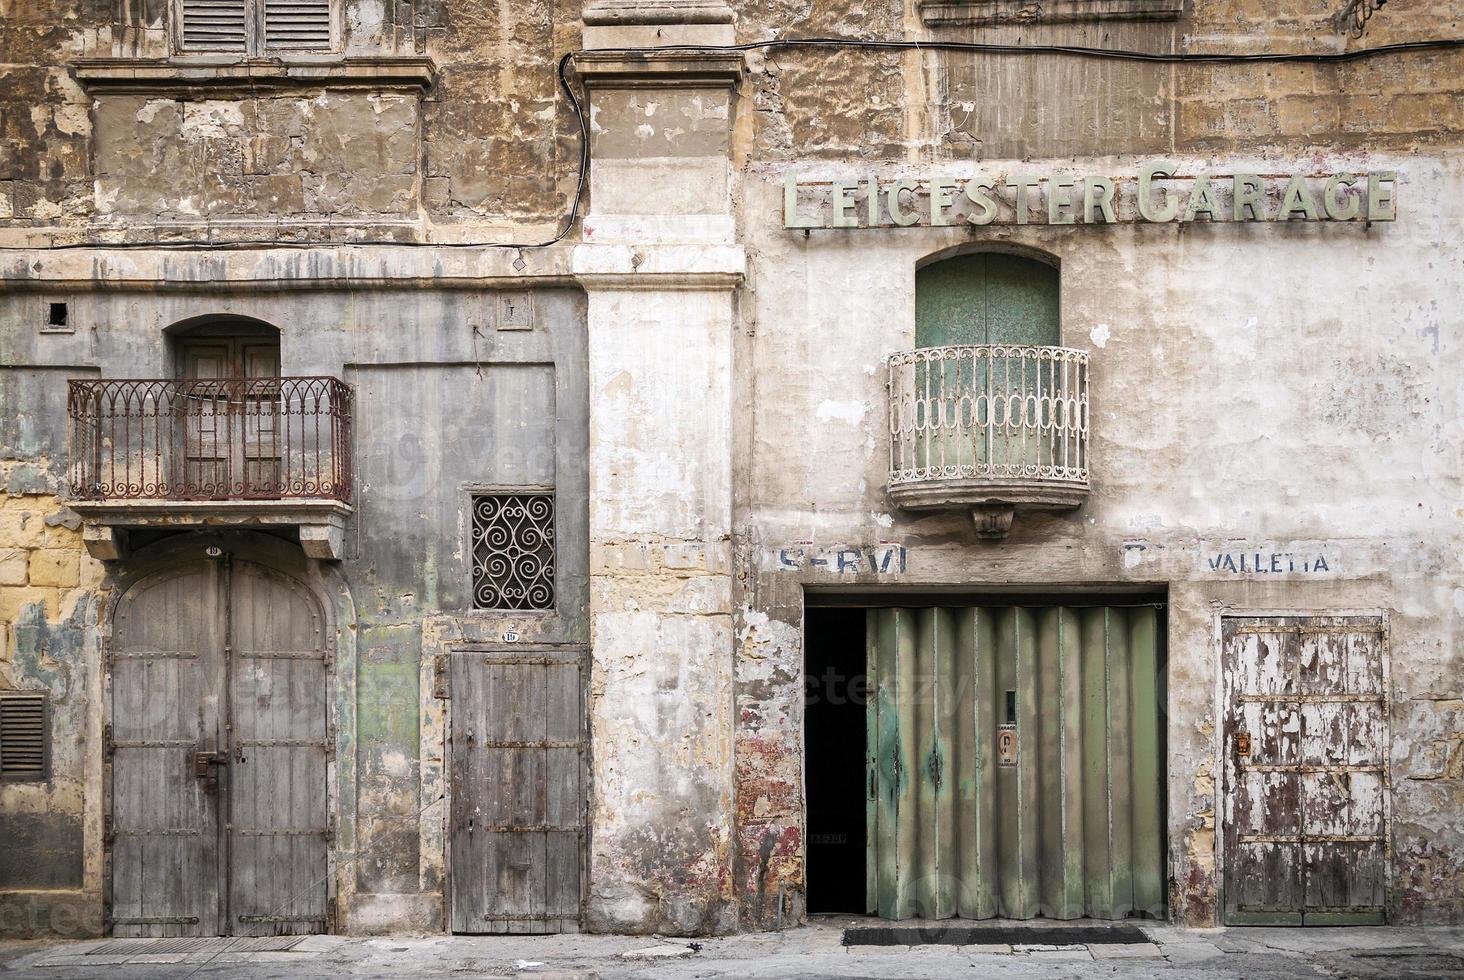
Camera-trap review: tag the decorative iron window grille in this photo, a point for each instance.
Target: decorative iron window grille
(24, 753)
(513, 550)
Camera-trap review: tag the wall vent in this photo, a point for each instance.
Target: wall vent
(23, 749)
(214, 25)
(297, 24)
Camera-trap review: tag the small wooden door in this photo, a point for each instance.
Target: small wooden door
(232, 438)
(516, 825)
(1305, 770)
(219, 751)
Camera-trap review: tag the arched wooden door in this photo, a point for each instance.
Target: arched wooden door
(219, 749)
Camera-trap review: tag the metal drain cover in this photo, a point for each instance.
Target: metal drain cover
(224, 944)
(993, 936)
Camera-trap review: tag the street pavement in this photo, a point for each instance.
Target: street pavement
(813, 952)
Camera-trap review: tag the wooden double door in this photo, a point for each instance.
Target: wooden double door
(218, 750)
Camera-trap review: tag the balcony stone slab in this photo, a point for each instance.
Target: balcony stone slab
(106, 523)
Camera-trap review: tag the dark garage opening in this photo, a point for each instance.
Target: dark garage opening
(834, 746)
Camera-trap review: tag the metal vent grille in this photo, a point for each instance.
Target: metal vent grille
(214, 25)
(22, 736)
(297, 24)
(513, 550)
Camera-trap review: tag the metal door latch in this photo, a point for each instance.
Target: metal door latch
(1242, 743)
(205, 766)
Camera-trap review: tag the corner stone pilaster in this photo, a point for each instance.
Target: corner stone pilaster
(660, 268)
(661, 323)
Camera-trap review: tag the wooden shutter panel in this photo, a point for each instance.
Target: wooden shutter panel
(297, 24)
(23, 736)
(214, 25)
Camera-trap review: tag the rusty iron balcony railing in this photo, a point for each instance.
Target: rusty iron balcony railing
(205, 439)
(994, 428)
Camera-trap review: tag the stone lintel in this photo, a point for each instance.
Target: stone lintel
(657, 12)
(622, 69)
(202, 75)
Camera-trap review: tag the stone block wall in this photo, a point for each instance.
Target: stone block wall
(50, 598)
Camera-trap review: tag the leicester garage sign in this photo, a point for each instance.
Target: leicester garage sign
(1157, 193)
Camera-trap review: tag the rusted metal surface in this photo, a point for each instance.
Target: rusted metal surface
(989, 412)
(1306, 770)
(210, 439)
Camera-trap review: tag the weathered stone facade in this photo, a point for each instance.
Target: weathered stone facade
(705, 389)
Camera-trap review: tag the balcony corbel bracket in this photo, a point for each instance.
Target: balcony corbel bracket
(993, 522)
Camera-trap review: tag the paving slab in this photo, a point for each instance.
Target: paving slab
(1119, 951)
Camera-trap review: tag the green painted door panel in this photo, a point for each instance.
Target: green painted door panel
(986, 298)
(1073, 825)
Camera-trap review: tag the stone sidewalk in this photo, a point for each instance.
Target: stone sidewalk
(815, 951)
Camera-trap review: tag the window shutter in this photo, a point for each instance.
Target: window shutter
(23, 736)
(297, 24)
(214, 25)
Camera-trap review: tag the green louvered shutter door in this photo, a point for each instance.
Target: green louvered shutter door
(1073, 826)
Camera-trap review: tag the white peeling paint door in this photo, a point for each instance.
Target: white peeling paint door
(1305, 746)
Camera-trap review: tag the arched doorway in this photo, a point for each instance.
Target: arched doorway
(219, 750)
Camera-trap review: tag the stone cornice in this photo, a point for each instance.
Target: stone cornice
(212, 74)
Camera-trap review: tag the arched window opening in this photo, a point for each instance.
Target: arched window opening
(233, 409)
(231, 347)
(986, 298)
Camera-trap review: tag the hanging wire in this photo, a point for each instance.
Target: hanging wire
(1353, 18)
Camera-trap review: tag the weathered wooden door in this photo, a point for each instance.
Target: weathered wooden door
(218, 754)
(516, 825)
(281, 739)
(167, 675)
(231, 431)
(1305, 770)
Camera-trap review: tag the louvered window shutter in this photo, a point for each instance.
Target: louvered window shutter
(23, 737)
(214, 25)
(297, 24)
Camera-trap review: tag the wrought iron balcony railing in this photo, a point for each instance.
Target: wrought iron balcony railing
(988, 425)
(195, 439)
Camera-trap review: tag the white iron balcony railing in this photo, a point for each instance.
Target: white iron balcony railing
(988, 426)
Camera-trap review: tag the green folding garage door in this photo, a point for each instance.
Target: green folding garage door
(1015, 763)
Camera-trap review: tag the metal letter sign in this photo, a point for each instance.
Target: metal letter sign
(1158, 194)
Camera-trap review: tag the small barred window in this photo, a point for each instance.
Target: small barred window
(513, 550)
(22, 737)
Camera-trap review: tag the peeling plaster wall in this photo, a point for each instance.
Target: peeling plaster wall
(661, 604)
(445, 401)
(1253, 387)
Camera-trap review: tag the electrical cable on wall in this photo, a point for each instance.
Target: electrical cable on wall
(974, 47)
